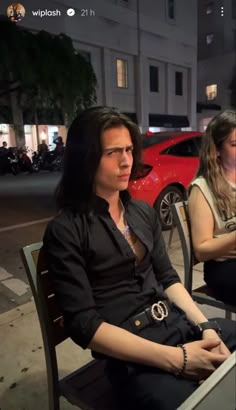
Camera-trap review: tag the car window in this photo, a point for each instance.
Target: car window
(198, 142)
(187, 148)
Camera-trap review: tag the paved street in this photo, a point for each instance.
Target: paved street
(26, 206)
(25, 198)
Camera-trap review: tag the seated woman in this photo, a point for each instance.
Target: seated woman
(119, 294)
(212, 207)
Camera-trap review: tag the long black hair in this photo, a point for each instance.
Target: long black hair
(84, 150)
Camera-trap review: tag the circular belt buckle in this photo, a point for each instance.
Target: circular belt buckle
(159, 311)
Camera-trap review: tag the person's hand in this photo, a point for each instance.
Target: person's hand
(221, 348)
(202, 360)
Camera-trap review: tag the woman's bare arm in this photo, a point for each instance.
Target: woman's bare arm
(202, 226)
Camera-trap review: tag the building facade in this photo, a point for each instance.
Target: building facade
(144, 53)
(216, 57)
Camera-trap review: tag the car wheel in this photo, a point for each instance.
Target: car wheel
(167, 197)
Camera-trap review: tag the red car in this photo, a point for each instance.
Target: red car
(171, 161)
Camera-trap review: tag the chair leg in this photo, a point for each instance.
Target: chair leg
(170, 236)
(54, 402)
(228, 315)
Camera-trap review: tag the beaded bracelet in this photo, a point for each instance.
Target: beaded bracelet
(182, 369)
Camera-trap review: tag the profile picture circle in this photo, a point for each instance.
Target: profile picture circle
(15, 12)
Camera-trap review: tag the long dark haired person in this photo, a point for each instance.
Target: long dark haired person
(212, 206)
(114, 282)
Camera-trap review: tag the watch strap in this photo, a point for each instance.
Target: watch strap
(209, 325)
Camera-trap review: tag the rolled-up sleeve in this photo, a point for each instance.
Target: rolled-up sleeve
(162, 267)
(67, 269)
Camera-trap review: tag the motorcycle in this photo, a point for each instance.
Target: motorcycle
(36, 161)
(47, 162)
(25, 163)
(13, 161)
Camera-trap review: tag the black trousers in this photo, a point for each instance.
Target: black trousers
(138, 387)
(221, 278)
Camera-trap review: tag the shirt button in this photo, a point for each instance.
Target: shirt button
(129, 253)
(113, 228)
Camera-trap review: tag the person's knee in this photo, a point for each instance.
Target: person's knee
(149, 392)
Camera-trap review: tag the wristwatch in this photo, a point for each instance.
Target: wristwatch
(209, 325)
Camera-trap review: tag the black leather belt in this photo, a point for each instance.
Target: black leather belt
(155, 313)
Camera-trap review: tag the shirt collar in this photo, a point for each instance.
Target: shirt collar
(100, 205)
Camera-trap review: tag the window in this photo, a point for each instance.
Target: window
(211, 92)
(209, 8)
(209, 38)
(122, 73)
(233, 9)
(198, 142)
(188, 148)
(171, 9)
(178, 83)
(153, 77)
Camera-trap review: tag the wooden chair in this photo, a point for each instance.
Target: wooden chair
(87, 387)
(202, 294)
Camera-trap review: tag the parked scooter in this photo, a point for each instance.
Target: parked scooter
(25, 163)
(50, 161)
(36, 159)
(13, 161)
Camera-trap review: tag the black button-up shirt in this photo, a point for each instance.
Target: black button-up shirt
(94, 269)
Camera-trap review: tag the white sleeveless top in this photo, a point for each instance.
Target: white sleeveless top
(221, 225)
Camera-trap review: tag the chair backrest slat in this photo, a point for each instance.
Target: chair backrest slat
(35, 256)
(50, 317)
(46, 284)
(181, 220)
(42, 288)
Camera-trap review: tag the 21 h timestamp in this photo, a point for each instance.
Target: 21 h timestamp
(87, 13)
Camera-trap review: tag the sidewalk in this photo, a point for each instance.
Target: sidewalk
(23, 381)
